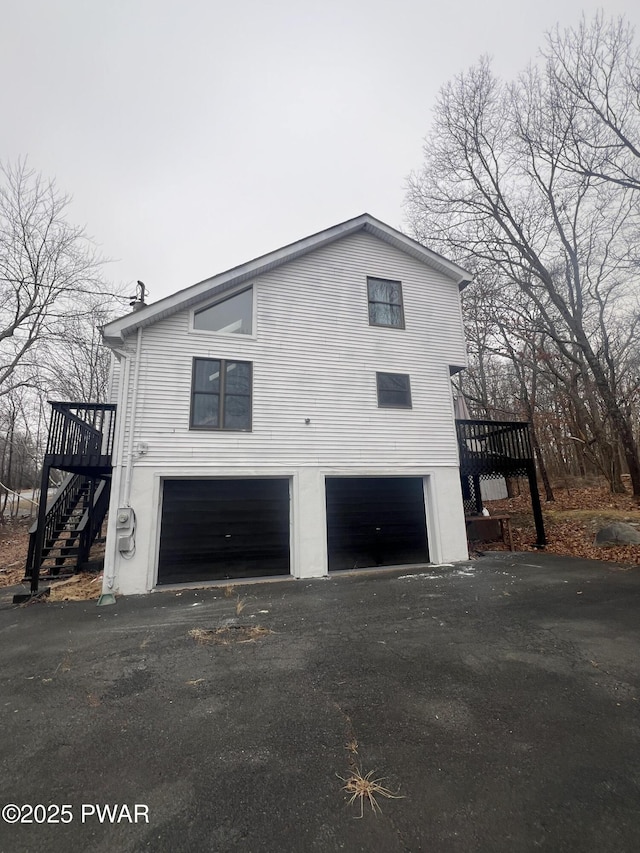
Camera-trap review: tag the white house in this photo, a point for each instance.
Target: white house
(291, 416)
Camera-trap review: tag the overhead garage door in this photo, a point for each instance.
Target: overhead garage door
(218, 529)
(375, 521)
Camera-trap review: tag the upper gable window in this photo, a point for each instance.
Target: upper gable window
(385, 303)
(231, 316)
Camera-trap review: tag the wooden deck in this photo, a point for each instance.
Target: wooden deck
(494, 449)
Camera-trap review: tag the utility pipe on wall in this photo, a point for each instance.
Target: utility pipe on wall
(121, 414)
(134, 402)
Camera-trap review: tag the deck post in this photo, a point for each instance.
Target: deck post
(477, 493)
(541, 540)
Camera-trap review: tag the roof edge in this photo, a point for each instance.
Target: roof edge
(116, 330)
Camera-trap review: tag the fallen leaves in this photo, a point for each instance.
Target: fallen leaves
(14, 539)
(571, 523)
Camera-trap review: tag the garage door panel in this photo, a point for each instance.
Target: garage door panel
(219, 529)
(375, 521)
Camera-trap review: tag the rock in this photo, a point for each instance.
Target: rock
(618, 533)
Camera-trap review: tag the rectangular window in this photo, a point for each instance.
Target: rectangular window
(394, 391)
(221, 394)
(385, 303)
(230, 316)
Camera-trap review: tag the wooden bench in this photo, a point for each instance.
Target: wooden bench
(476, 523)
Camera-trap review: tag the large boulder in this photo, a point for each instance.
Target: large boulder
(618, 533)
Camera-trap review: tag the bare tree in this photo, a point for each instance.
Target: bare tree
(496, 192)
(52, 298)
(595, 71)
(48, 270)
(19, 451)
(82, 363)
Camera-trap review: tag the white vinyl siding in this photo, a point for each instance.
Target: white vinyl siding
(315, 357)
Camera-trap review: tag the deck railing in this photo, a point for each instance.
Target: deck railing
(58, 510)
(81, 430)
(494, 447)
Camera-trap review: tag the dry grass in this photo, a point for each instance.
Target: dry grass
(241, 603)
(12, 574)
(229, 634)
(81, 587)
(365, 787)
(228, 590)
(14, 540)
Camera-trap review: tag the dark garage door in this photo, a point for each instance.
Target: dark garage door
(375, 521)
(217, 529)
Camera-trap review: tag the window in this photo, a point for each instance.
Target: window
(231, 316)
(394, 391)
(385, 303)
(221, 394)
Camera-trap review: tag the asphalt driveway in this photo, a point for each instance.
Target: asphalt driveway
(500, 700)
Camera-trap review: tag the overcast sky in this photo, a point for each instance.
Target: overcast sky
(198, 135)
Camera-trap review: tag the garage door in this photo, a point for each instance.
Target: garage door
(375, 521)
(218, 529)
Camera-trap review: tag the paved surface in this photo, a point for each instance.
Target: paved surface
(501, 700)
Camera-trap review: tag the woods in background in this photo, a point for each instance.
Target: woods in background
(534, 185)
(531, 184)
(52, 299)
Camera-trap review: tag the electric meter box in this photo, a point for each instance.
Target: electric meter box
(124, 518)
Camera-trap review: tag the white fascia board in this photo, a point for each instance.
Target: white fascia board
(115, 332)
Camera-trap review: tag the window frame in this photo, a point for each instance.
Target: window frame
(408, 405)
(221, 395)
(370, 302)
(222, 297)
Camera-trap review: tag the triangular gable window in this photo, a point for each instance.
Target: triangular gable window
(231, 316)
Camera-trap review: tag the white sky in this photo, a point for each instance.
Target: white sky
(198, 135)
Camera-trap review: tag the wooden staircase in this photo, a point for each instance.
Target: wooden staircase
(72, 523)
(80, 443)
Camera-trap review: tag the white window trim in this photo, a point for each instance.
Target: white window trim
(221, 297)
(394, 372)
(403, 326)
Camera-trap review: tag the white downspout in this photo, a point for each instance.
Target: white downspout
(134, 402)
(112, 361)
(121, 414)
(123, 393)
